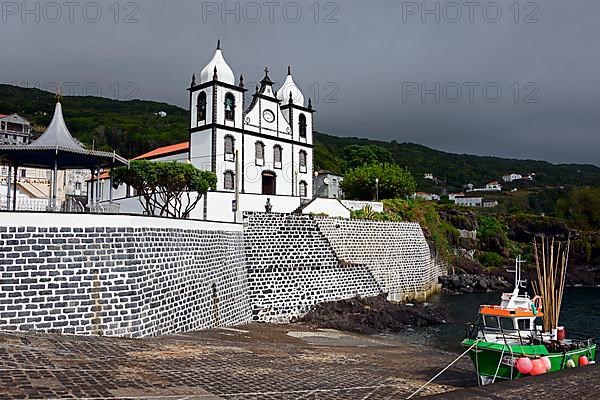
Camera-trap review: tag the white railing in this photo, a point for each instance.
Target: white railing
(73, 206)
(105, 208)
(69, 206)
(27, 204)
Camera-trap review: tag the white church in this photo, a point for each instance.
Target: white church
(261, 150)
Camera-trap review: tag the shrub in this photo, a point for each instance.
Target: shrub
(490, 259)
(165, 188)
(394, 181)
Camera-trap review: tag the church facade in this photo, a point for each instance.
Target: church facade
(259, 145)
(264, 147)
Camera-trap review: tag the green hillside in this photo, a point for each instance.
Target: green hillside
(131, 128)
(456, 169)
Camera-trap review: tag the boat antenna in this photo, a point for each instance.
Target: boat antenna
(519, 282)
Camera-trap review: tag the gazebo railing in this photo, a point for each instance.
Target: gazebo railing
(71, 206)
(27, 205)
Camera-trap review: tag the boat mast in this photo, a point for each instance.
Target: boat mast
(519, 283)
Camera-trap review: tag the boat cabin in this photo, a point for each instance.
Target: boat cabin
(516, 318)
(494, 317)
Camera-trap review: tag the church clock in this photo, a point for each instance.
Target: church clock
(269, 116)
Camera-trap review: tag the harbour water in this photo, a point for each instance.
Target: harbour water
(580, 315)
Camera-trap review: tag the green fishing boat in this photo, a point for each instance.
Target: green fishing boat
(509, 341)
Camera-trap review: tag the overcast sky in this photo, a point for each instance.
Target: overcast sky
(477, 77)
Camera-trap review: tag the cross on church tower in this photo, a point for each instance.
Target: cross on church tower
(266, 81)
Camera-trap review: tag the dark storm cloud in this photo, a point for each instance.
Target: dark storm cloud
(475, 77)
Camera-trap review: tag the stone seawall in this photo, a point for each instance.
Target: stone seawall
(297, 261)
(119, 275)
(139, 276)
(396, 253)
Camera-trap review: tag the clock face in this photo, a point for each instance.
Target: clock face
(269, 116)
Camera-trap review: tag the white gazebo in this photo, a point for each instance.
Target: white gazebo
(55, 149)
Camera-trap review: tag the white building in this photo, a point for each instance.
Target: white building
(14, 129)
(474, 202)
(530, 177)
(512, 177)
(261, 152)
(426, 196)
(493, 186)
(490, 203)
(271, 137)
(453, 196)
(327, 185)
(469, 201)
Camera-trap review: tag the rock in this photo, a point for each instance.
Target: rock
(373, 315)
(470, 283)
(483, 284)
(467, 243)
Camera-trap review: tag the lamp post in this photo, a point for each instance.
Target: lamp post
(377, 189)
(315, 188)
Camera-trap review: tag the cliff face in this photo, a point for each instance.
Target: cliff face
(489, 244)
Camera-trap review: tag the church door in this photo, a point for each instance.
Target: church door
(268, 183)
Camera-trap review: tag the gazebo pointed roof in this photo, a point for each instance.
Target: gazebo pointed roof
(57, 134)
(57, 147)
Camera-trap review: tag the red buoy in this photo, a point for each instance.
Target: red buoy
(539, 367)
(524, 365)
(547, 363)
(583, 360)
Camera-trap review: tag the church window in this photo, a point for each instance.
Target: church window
(201, 107)
(229, 148)
(228, 178)
(302, 161)
(277, 156)
(260, 153)
(229, 107)
(303, 189)
(302, 126)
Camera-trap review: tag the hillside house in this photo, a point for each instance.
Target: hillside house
(512, 177)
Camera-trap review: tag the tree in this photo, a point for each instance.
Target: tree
(394, 181)
(492, 233)
(581, 208)
(168, 189)
(356, 156)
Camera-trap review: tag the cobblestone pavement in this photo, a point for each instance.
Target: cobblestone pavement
(249, 362)
(579, 383)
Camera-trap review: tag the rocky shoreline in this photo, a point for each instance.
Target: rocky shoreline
(373, 315)
(473, 283)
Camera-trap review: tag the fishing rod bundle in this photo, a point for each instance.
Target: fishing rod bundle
(551, 259)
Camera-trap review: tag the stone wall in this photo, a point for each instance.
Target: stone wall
(296, 261)
(139, 276)
(396, 253)
(119, 275)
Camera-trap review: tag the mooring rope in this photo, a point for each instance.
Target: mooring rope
(445, 369)
(477, 366)
(499, 363)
